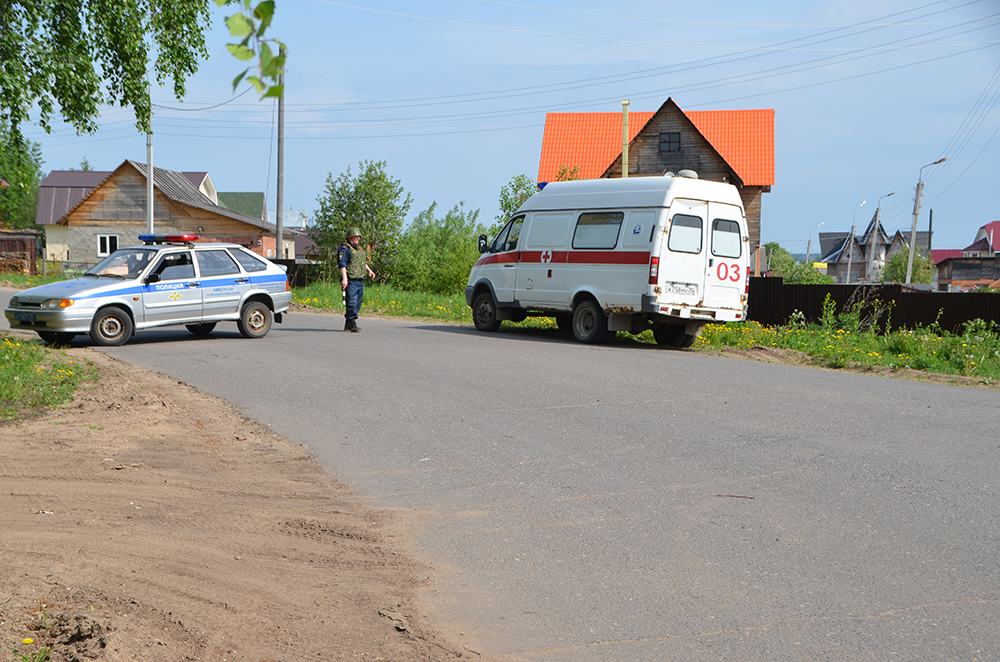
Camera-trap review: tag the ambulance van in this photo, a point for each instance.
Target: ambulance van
(669, 253)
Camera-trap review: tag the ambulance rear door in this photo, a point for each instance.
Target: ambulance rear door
(728, 258)
(682, 255)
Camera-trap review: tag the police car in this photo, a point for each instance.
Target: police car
(168, 280)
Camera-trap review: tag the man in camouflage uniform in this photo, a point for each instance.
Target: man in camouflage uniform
(353, 263)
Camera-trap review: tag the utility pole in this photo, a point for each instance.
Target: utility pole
(916, 213)
(850, 241)
(624, 138)
(871, 237)
(279, 246)
(149, 182)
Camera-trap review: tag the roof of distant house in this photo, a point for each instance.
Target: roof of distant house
(593, 141)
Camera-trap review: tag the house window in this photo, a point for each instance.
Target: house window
(106, 244)
(670, 142)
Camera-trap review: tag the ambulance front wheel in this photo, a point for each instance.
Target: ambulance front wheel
(590, 324)
(484, 313)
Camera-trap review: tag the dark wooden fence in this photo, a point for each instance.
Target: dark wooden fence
(772, 303)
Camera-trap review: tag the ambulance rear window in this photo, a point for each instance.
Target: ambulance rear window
(726, 238)
(598, 230)
(685, 234)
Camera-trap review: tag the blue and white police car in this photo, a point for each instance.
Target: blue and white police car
(168, 280)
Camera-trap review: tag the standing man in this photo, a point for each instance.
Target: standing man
(353, 265)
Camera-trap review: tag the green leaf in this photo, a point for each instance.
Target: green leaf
(257, 84)
(264, 12)
(236, 81)
(274, 91)
(239, 25)
(240, 52)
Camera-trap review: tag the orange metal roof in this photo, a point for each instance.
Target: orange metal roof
(592, 141)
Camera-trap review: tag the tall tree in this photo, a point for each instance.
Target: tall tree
(512, 196)
(895, 268)
(21, 167)
(374, 202)
(68, 57)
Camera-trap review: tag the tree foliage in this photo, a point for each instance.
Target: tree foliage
(895, 268)
(568, 174)
(436, 254)
(512, 196)
(74, 55)
(781, 263)
(21, 167)
(374, 202)
(67, 58)
(249, 25)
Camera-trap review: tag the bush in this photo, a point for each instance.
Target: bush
(436, 254)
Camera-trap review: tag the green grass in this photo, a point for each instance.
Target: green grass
(976, 353)
(33, 377)
(23, 280)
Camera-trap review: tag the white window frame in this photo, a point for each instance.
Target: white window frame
(105, 239)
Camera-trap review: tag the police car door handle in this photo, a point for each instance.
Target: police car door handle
(194, 283)
(242, 280)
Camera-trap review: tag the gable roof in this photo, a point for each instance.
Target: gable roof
(63, 190)
(990, 232)
(592, 141)
(176, 186)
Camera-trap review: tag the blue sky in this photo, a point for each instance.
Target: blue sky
(452, 95)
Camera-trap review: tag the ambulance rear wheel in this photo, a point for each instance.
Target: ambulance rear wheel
(673, 335)
(484, 313)
(590, 324)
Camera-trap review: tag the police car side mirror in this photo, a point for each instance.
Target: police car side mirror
(484, 244)
(152, 278)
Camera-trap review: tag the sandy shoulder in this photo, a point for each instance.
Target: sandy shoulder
(148, 521)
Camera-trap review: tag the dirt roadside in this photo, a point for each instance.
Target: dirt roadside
(148, 521)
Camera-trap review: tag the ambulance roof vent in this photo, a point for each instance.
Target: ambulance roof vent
(690, 174)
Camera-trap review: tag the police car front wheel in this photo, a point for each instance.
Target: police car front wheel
(111, 326)
(255, 320)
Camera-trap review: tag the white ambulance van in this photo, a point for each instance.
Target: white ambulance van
(669, 253)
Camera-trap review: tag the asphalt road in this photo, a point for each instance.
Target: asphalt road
(620, 503)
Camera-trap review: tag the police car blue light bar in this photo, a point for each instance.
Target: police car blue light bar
(167, 238)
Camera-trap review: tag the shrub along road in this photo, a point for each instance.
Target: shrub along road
(622, 502)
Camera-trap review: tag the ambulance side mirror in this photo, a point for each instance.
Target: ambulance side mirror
(484, 244)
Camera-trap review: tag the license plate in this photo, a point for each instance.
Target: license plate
(24, 317)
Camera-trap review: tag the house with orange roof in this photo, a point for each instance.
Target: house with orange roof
(735, 146)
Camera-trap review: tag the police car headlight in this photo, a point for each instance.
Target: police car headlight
(57, 303)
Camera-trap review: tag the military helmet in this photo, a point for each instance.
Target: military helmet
(353, 232)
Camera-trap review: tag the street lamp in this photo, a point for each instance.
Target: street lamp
(871, 236)
(850, 241)
(809, 244)
(916, 213)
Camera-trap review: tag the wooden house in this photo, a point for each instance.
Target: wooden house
(87, 218)
(735, 146)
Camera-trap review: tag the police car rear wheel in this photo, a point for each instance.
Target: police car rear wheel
(590, 324)
(484, 313)
(255, 320)
(111, 326)
(55, 337)
(201, 329)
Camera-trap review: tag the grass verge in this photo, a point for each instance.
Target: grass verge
(34, 377)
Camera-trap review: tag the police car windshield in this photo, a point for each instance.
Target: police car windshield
(127, 263)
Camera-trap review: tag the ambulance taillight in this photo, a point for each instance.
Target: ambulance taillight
(654, 268)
